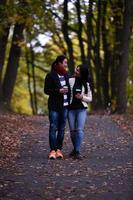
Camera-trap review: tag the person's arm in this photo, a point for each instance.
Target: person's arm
(87, 97)
(49, 87)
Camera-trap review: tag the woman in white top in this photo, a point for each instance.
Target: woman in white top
(80, 96)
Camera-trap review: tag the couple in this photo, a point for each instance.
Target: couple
(68, 97)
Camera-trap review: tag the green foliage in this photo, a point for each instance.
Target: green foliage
(45, 17)
(21, 98)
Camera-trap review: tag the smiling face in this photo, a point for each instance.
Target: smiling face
(61, 68)
(65, 63)
(62, 60)
(77, 71)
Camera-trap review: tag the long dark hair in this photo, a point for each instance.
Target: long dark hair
(84, 74)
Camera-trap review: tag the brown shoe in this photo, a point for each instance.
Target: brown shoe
(59, 154)
(52, 154)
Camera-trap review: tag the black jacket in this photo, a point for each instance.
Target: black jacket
(51, 87)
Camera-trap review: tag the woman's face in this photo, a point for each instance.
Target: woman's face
(77, 71)
(65, 63)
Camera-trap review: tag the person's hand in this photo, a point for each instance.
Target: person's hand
(79, 96)
(64, 90)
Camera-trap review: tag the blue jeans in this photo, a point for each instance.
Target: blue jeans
(57, 128)
(76, 120)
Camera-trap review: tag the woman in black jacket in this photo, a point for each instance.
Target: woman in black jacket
(57, 87)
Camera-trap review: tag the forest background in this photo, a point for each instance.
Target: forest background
(97, 33)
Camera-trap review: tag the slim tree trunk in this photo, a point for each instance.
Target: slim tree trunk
(80, 28)
(89, 32)
(123, 66)
(106, 63)
(3, 40)
(13, 62)
(98, 60)
(117, 8)
(34, 79)
(3, 44)
(3, 35)
(29, 81)
(66, 35)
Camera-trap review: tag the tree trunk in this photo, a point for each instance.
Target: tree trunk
(123, 66)
(80, 28)
(3, 2)
(89, 33)
(29, 82)
(12, 66)
(66, 36)
(3, 42)
(3, 36)
(34, 80)
(117, 8)
(98, 60)
(106, 64)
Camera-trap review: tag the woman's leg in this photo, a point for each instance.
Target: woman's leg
(72, 125)
(80, 122)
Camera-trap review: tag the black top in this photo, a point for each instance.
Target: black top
(76, 103)
(51, 87)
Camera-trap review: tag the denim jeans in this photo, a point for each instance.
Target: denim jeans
(57, 128)
(76, 120)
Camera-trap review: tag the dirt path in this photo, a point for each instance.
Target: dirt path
(104, 173)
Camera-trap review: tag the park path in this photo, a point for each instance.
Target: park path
(104, 173)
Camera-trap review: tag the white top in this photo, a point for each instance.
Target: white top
(86, 97)
(63, 83)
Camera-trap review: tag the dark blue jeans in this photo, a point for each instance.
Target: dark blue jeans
(57, 128)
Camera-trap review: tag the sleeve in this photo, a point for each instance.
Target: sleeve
(87, 97)
(49, 86)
